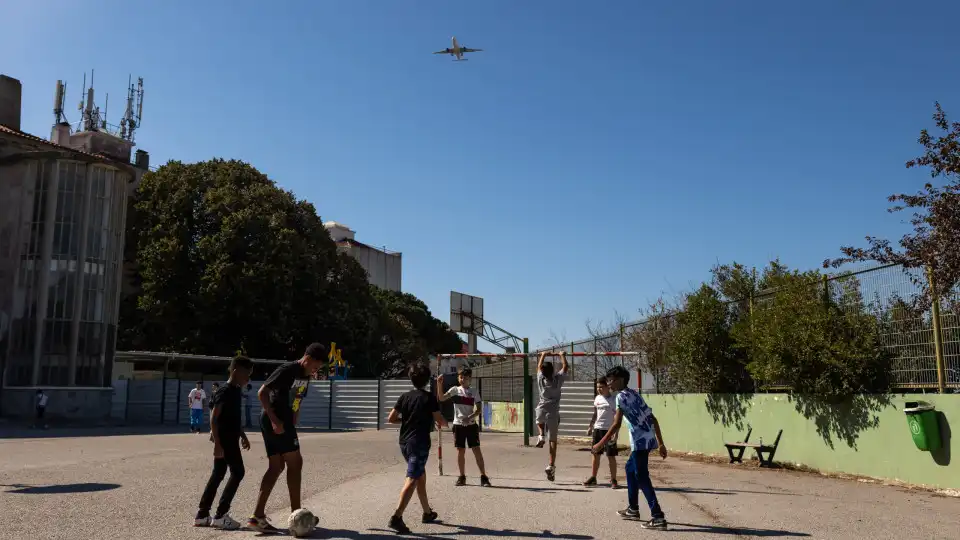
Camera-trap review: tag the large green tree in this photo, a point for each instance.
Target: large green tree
(222, 258)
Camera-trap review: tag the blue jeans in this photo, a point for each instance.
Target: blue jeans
(638, 479)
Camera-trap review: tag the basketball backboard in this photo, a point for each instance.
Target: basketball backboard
(466, 313)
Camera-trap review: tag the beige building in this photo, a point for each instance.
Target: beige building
(63, 207)
(384, 268)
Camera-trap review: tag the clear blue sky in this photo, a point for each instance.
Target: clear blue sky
(595, 155)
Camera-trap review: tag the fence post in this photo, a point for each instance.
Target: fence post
(594, 360)
(163, 390)
(937, 336)
(527, 394)
(330, 408)
(379, 402)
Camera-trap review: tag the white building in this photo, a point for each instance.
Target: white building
(384, 268)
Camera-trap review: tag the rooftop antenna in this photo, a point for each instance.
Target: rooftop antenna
(58, 100)
(131, 120)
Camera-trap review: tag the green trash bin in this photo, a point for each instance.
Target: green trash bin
(922, 420)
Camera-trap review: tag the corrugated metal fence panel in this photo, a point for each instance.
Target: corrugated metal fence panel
(315, 408)
(143, 405)
(576, 408)
(254, 403)
(355, 404)
(118, 405)
(390, 391)
(172, 401)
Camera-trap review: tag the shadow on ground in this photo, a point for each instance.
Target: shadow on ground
(456, 531)
(58, 489)
(703, 491)
(25, 432)
(733, 531)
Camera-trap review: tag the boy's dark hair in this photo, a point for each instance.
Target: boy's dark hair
(466, 372)
(547, 369)
(602, 380)
(317, 351)
(200, 383)
(249, 386)
(618, 372)
(241, 362)
(39, 391)
(419, 375)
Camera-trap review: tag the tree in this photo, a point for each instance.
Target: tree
(935, 219)
(803, 339)
(409, 332)
(652, 339)
(702, 350)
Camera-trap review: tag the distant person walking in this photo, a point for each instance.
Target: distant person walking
(41, 403)
(195, 402)
(213, 392)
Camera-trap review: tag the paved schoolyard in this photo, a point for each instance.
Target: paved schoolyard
(145, 486)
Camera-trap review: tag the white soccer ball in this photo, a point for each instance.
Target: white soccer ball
(302, 522)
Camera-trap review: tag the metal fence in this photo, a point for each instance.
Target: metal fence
(349, 405)
(891, 293)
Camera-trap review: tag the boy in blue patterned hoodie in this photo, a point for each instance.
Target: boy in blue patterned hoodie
(645, 437)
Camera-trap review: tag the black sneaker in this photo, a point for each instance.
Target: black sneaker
(659, 524)
(485, 482)
(551, 472)
(590, 482)
(629, 513)
(260, 524)
(397, 524)
(461, 481)
(429, 517)
(614, 484)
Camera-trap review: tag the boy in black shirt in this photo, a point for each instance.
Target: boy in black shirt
(228, 437)
(280, 396)
(416, 411)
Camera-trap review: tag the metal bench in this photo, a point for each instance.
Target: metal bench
(736, 449)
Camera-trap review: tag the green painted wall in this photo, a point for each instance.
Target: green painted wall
(866, 437)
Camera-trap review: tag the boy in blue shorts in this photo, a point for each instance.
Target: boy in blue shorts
(645, 437)
(417, 411)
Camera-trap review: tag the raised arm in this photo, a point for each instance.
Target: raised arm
(540, 361)
(563, 362)
(440, 393)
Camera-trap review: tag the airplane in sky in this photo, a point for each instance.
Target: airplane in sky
(457, 50)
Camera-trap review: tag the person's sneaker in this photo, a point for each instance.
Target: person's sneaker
(396, 523)
(429, 517)
(629, 513)
(225, 522)
(590, 482)
(551, 472)
(201, 522)
(461, 481)
(540, 441)
(485, 482)
(260, 524)
(659, 524)
(614, 484)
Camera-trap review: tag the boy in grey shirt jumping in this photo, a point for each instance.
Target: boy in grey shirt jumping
(548, 409)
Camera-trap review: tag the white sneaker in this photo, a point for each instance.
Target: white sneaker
(226, 523)
(201, 522)
(540, 441)
(550, 470)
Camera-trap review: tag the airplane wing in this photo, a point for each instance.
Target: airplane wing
(465, 49)
(445, 51)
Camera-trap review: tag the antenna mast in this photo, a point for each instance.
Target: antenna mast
(131, 119)
(58, 100)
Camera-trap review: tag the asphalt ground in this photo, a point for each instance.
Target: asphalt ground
(99, 484)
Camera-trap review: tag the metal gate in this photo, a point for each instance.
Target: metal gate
(315, 408)
(390, 391)
(355, 404)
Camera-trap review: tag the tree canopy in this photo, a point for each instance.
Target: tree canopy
(227, 259)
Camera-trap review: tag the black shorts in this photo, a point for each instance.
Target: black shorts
(464, 436)
(611, 447)
(275, 444)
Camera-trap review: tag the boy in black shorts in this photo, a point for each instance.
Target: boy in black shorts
(466, 431)
(281, 396)
(604, 409)
(228, 437)
(417, 411)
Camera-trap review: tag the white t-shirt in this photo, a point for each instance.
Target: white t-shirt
(196, 398)
(606, 408)
(465, 406)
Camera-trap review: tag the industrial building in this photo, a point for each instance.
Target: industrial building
(63, 207)
(383, 267)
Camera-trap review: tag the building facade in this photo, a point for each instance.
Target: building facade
(63, 208)
(384, 268)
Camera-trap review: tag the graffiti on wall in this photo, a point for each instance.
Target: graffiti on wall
(503, 416)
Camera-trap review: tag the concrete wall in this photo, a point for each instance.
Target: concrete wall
(85, 404)
(867, 437)
(383, 269)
